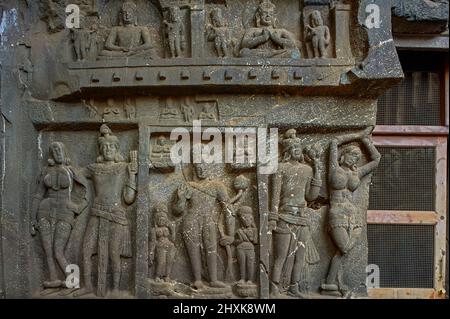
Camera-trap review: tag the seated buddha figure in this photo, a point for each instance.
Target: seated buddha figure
(128, 39)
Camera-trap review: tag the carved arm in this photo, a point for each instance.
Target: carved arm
(375, 158)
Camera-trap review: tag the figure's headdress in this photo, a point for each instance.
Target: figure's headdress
(290, 140)
(106, 135)
(265, 5)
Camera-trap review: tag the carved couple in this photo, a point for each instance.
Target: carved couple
(294, 185)
(107, 234)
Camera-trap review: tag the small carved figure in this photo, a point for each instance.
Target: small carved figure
(160, 156)
(318, 34)
(170, 111)
(345, 218)
(130, 109)
(266, 40)
(54, 210)
(162, 247)
(219, 32)
(246, 238)
(85, 41)
(188, 111)
(208, 112)
(128, 39)
(111, 112)
(108, 231)
(294, 185)
(174, 31)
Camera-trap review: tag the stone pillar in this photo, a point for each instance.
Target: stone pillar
(342, 34)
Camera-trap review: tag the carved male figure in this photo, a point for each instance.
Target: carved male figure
(318, 34)
(162, 247)
(202, 202)
(175, 34)
(345, 218)
(294, 184)
(219, 32)
(53, 209)
(128, 39)
(246, 239)
(108, 231)
(85, 41)
(266, 39)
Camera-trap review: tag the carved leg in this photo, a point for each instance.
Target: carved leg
(172, 47)
(161, 256)
(250, 265)
(62, 234)
(315, 45)
(299, 277)
(170, 258)
(177, 48)
(322, 48)
(191, 237)
(116, 233)
(46, 231)
(242, 263)
(280, 251)
(341, 239)
(210, 244)
(90, 240)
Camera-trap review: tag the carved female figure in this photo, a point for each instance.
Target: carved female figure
(53, 211)
(247, 238)
(344, 217)
(318, 34)
(162, 247)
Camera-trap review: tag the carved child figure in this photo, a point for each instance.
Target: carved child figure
(246, 238)
(174, 31)
(318, 34)
(219, 32)
(162, 247)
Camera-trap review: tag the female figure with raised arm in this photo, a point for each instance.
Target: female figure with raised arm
(345, 219)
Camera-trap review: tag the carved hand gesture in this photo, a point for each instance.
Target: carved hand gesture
(266, 34)
(184, 191)
(272, 225)
(133, 165)
(226, 241)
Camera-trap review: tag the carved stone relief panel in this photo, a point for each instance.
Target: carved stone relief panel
(83, 213)
(203, 233)
(138, 223)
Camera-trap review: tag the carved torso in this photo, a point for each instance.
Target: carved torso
(294, 183)
(206, 196)
(344, 183)
(129, 37)
(108, 180)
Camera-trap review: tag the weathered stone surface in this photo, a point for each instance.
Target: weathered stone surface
(108, 95)
(420, 16)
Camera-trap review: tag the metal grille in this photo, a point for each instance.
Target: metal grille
(404, 180)
(403, 253)
(415, 101)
